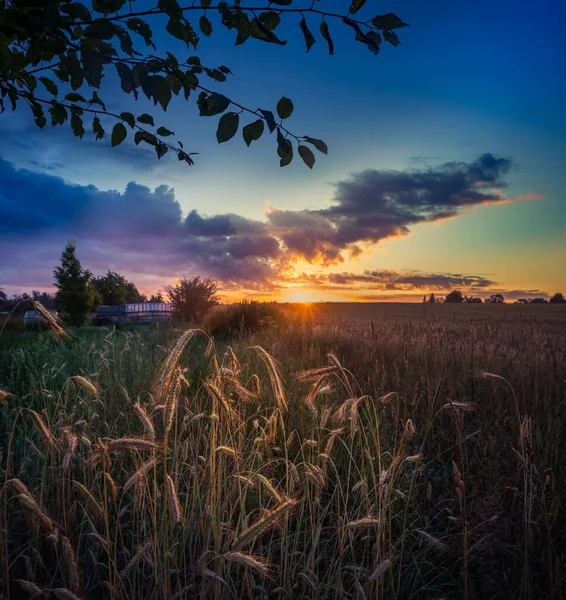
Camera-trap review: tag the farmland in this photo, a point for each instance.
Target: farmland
(359, 451)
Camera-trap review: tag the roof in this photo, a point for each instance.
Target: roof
(134, 307)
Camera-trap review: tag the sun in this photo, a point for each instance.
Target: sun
(299, 297)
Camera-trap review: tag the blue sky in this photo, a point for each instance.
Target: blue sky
(468, 79)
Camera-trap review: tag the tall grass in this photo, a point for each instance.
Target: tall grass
(402, 460)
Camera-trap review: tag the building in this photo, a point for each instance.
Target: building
(137, 312)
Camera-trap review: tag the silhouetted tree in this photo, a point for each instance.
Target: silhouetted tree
(558, 298)
(191, 298)
(496, 299)
(44, 298)
(538, 301)
(473, 300)
(432, 299)
(69, 47)
(74, 298)
(115, 289)
(455, 296)
(521, 301)
(157, 297)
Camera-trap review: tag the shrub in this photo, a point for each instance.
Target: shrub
(244, 317)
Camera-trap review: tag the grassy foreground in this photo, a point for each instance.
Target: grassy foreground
(404, 458)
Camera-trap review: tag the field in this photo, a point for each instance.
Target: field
(359, 451)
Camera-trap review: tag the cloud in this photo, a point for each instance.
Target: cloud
(374, 205)
(145, 234)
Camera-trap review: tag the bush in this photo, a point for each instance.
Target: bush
(244, 317)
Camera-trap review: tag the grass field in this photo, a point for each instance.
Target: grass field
(361, 451)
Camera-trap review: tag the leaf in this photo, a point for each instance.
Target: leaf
(213, 104)
(285, 108)
(74, 97)
(253, 131)
(163, 132)
(118, 134)
(205, 25)
(97, 128)
(269, 119)
(326, 35)
(39, 116)
(205, 3)
(282, 2)
(388, 21)
(284, 149)
(140, 27)
(309, 37)
(259, 31)
(77, 125)
(307, 156)
(227, 127)
(75, 70)
(356, 5)
(144, 136)
(76, 10)
(391, 37)
(126, 77)
(101, 29)
(170, 7)
(129, 118)
(161, 150)
(160, 90)
(270, 19)
(146, 119)
(318, 144)
(58, 114)
(107, 6)
(50, 86)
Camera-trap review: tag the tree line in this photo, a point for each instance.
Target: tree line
(79, 293)
(457, 297)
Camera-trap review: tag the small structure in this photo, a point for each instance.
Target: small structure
(31, 317)
(137, 312)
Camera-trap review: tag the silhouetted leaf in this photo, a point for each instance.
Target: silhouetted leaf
(58, 113)
(170, 7)
(326, 35)
(77, 125)
(76, 10)
(129, 118)
(307, 156)
(309, 37)
(259, 31)
(284, 149)
(205, 3)
(282, 2)
(285, 108)
(144, 136)
(146, 119)
(97, 129)
(161, 150)
(101, 29)
(205, 26)
(142, 28)
(227, 127)
(269, 119)
(107, 6)
(318, 144)
(118, 134)
(388, 21)
(74, 97)
(50, 86)
(126, 77)
(391, 37)
(356, 5)
(270, 19)
(253, 131)
(212, 104)
(163, 132)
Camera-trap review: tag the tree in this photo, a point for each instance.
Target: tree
(455, 296)
(156, 297)
(74, 298)
(538, 301)
(495, 299)
(114, 289)
(45, 46)
(558, 298)
(432, 299)
(192, 298)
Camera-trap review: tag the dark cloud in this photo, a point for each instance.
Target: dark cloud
(375, 205)
(143, 231)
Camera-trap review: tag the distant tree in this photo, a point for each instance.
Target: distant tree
(424, 298)
(3, 297)
(157, 297)
(74, 298)
(496, 299)
(473, 300)
(455, 296)
(538, 301)
(521, 301)
(44, 298)
(114, 289)
(192, 298)
(558, 298)
(432, 299)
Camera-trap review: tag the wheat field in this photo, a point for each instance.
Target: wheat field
(351, 452)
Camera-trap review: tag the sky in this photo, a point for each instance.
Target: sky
(445, 168)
